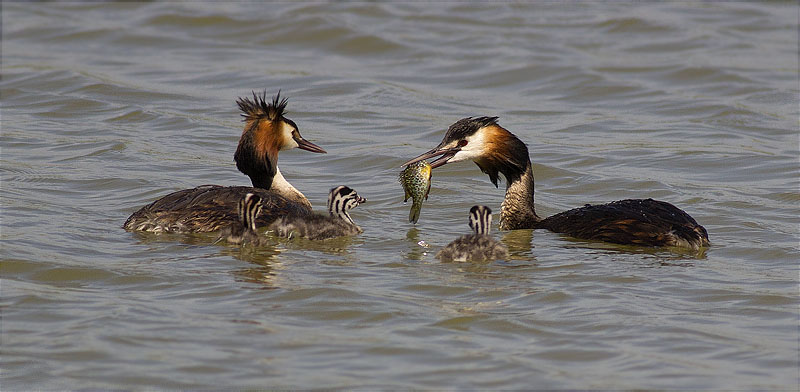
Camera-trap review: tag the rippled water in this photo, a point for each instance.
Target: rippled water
(106, 107)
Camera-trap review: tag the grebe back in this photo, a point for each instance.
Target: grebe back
(211, 207)
(495, 150)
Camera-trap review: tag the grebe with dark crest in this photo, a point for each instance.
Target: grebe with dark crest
(495, 150)
(337, 223)
(244, 231)
(212, 207)
(478, 246)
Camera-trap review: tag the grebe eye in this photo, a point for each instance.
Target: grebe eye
(462, 143)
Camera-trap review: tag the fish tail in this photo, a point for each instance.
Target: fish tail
(413, 215)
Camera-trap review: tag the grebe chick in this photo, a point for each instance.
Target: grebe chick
(244, 231)
(212, 207)
(337, 223)
(495, 150)
(479, 246)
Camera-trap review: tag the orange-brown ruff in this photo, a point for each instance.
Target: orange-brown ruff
(212, 207)
(495, 150)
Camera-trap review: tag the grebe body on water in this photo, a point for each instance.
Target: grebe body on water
(337, 223)
(211, 207)
(478, 246)
(244, 231)
(497, 151)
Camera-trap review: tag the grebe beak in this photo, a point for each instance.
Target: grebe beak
(444, 155)
(304, 144)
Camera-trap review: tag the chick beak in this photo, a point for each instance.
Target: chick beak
(444, 155)
(304, 144)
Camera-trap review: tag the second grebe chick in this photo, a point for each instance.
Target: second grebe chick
(479, 246)
(337, 223)
(244, 231)
(212, 207)
(495, 150)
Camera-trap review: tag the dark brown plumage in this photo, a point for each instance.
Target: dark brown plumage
(208, 208)
(645, 222)
(495, 150)
(211, 207)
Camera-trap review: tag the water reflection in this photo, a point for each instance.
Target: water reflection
(250, 253)
(519, 244)
(333, 246)
(662, 256)
(263, 258)
(263, 272)
(421, 249)
(186, 238)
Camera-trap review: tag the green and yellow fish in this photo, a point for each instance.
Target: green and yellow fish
(416, 180)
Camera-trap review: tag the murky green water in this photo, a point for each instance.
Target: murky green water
(106, 107)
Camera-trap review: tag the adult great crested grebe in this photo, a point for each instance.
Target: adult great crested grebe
(212, 207)
(495, 150)
(337, 223)
(478, 246)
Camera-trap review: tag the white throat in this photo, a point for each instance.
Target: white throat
(337, 209)
(343, 215)
(284, 188)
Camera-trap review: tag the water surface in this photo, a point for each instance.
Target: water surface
(106, 107)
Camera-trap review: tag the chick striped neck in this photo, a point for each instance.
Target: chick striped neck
(249, 208)
(480, 219)
(341, 200)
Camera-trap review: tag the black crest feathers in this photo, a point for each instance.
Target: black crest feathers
(509, 157)
(465, 127)
(258, 108)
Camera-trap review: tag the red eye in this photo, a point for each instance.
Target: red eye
(462, 143)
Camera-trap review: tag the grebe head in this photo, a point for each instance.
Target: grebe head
(481, 140)
(266, 132)
(341, 200)
(480, 219)
(249, 208)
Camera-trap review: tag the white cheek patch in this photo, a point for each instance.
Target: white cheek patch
(475, 148)
(288, 139)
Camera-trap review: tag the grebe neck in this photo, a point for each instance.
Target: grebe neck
(517, 210)
(265, 180)
(285, 189)
(343, 215)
